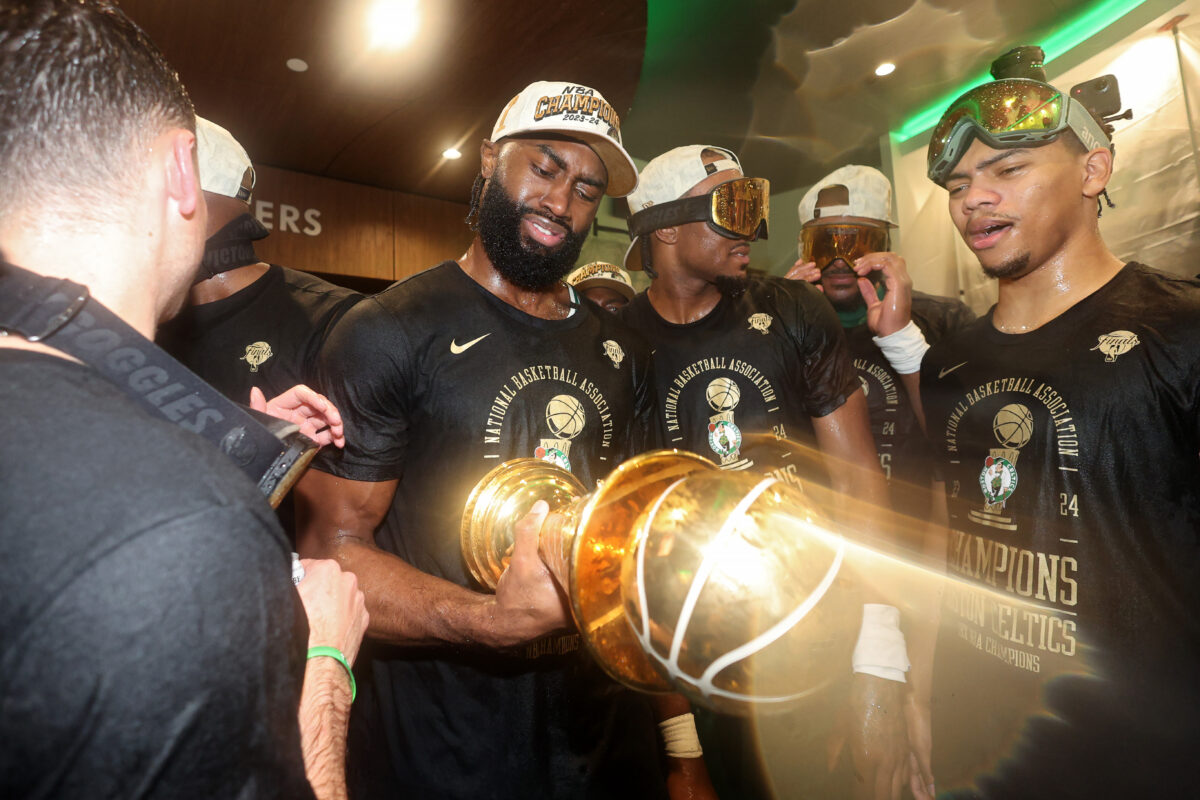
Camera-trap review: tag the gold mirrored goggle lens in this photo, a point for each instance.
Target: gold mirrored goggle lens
(740, 207)
(824, 244)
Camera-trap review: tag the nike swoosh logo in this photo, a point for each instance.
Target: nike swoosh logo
(459, 348)
(944, 372)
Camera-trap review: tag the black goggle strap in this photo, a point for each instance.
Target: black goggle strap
(62, 315)
(676, 212)
(695, 209)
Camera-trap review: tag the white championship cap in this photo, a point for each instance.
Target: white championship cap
(669, 177)
(225, 167)
(600, 273)
(868, 190)
(576, 111)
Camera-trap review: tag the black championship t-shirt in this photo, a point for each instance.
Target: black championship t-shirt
(1070, 460)
(899, 441)
(764, 362)
(440, 381)
(151, 642)
(267, 335)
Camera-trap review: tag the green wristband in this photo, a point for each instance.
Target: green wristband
(337, 656)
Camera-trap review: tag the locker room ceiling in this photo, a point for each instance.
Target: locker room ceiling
(788, 84)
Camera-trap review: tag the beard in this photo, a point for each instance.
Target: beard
(852, 299)
(731, 286)
(1014, 267)
(523, 263)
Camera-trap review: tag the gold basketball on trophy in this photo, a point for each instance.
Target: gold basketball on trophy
(725, 586)
(734, 586)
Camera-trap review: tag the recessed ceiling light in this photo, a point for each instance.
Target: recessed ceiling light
(297, 65)
(451, 152)
(393, 23)
(886, 68)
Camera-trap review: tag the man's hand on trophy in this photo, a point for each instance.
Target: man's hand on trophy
(529, 600)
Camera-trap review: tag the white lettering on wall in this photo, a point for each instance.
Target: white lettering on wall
(288, 217)
(312, 217)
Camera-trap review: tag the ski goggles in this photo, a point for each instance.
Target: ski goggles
(736, 209)
(824, 244)
(1014, 112)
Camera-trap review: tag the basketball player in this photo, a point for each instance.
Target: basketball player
(1065, 421)
(845, 219)
(248, 326)
(735, 355)
(445, 376)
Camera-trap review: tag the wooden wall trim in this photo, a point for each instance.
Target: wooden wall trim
(341, 228)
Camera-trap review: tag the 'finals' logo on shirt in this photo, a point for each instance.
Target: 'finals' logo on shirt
(1116, 343)
(256, 355)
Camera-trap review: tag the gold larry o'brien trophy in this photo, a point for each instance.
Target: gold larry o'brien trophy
(725, 586)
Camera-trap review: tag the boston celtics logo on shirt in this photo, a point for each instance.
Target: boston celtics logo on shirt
(998, 479)
(724, 436)
(565, 418)
(1012, 426)
(1116, 343)
(256, 354)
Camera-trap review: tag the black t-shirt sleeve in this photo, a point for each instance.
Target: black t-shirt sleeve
(365, 367)
(159, 670)
(826, 369)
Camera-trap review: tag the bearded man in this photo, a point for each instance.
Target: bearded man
(443, 377)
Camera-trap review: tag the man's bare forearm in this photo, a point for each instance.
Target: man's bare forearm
(412, 607)
(336, 518)
(324, 720)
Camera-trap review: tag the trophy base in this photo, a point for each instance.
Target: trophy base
(498, 501)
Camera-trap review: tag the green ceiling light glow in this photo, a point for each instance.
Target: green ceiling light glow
(1077, 31)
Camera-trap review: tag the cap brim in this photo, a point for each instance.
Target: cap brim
(624, 289)
(622, 172)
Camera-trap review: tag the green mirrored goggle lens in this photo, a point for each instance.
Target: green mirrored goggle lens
(1004, 113)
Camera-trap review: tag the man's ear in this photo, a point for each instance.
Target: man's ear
(182, 169)
(1097, 171)
(489, 153)
(667, 235)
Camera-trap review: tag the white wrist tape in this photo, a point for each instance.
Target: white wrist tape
(679, 736)
(881, 650)
(903, 349)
